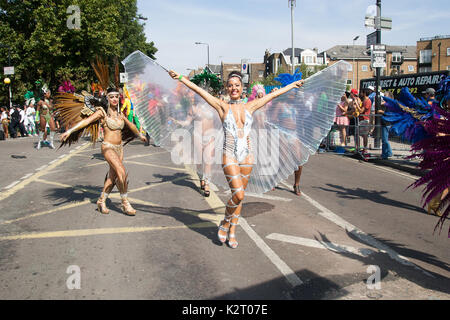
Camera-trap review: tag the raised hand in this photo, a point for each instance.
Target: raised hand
(299, 83)
(174, 75)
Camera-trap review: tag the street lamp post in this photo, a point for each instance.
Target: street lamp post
(292, 2)
(353, 67)
(7, 80)
(208, 51)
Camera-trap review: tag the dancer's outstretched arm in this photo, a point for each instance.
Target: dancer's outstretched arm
(258, 103)
(82, 124)
(211, 100)
(133, 128)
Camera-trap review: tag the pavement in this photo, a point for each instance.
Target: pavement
(354, 223)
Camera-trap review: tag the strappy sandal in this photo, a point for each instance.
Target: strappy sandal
(127, 208)
(233, 244)
(206, 192)
(297, 190)
(223, 238)
(101, 205)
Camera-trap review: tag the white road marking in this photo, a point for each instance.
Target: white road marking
(290, 275)
(217, 206)
(40, 168)
(364, 252)
(328, 214)
(12, 185)
(26, 176)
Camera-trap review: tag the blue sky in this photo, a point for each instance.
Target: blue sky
(244, 29)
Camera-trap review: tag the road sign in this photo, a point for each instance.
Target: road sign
(371, 39)
(378, 56)
(8, 70)
(123, 77)
(378, 23)
(244, 66)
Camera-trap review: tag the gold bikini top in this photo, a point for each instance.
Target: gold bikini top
(114, 124)
(111, 123)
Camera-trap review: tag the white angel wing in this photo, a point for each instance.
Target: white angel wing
(285, 132)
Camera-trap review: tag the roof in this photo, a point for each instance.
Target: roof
(215, 68)
(343, 52)
(297, 52)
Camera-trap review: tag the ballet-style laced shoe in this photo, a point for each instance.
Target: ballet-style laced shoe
(223, 237)
(232, 242)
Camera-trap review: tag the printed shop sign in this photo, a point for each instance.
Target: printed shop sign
(416, 83)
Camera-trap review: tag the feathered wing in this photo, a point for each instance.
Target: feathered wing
(278, 145)
(72, 108)
(435, 154)
(406, 115)
(101, 70)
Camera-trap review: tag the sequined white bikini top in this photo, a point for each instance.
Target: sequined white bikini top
(236, 140)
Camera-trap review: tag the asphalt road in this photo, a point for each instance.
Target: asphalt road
(355, 224)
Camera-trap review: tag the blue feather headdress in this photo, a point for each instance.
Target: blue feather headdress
(287, 78)
(407, 115)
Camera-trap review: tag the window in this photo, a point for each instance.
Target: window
(349, 81)
(448, 68)
(364, 68)
(425, 56)
(448, 51)
(410, 68)
(425, 69)
(395, 70)
(260, 73)
(396, 57)
(295, 60)
(309, 59)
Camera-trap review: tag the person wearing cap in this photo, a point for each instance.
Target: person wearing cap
(429, 95)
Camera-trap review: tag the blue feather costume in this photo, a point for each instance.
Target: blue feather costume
(407, 115)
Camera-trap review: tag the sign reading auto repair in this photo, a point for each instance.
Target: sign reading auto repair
(416, 83)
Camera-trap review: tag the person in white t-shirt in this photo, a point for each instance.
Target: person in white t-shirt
(23, 122)
(31, 114)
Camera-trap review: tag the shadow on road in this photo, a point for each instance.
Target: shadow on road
(372, 195)
(434, 282)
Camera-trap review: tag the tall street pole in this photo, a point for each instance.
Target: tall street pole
(292, 34)
(377, 82)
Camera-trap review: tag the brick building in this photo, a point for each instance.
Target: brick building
(433, 54)
(399, 60)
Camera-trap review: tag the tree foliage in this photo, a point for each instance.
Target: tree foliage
(43, 47)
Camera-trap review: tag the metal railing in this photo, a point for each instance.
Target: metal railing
(351, 137)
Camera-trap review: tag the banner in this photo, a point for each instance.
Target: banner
(416, 82)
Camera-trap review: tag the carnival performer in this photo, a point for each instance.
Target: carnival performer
(5, 122)
(44, 113)
(113, 122)
(288, 118)
(250, 156)
(237, 158)
(435, 154)
(201, 117)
